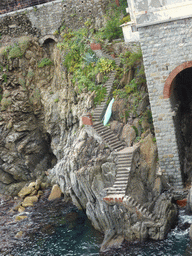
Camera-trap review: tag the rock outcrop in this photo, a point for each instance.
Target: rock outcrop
(40, 112)
(41, 134)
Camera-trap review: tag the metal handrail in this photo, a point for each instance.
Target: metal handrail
(15, 5)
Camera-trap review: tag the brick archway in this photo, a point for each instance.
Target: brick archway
(172, 75)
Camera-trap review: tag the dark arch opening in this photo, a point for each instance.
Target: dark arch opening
(49, 41)
(181, 103)
(52, 157)
(48, 45)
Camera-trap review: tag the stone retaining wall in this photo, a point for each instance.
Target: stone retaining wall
(47, 18)
(165, 47)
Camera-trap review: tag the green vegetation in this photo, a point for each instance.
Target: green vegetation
(56, 100)
(4, 76)
(45, 62)
(82, 63)
(15, 52)
(136, 130)
(18, 49)
(125, 19)
(56, 32)
(131, 61)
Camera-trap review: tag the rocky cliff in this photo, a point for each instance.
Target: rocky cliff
(40, 111)
(42, 134)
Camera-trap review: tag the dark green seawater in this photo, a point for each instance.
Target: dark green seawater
(74, 235)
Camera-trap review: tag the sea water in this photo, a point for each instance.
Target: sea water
(74, 235)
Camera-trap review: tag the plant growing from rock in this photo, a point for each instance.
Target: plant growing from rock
(45, 62)
(82, 63)
(15, 52)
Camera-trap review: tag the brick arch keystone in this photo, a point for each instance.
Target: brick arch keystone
(172, 75)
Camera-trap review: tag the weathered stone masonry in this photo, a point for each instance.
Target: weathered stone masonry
(45, 19)
(166, 46)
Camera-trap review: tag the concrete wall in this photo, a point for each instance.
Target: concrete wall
(47, 18)
(155, 11)
(165, 46)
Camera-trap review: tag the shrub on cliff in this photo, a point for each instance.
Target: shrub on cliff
(82, 63)
(45, 62)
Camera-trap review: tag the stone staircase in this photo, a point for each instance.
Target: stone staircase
(117, 193)
(131, 202)
(124, 155)
(123, 170)
(108, 136)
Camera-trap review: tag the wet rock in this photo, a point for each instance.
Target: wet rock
(21, 209)
(29, 200)
(19, 234)
(20, 217)
(55, 193)
(189, 201)
(26, 191)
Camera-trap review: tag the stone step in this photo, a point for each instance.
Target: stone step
(114, 145)
(105, 131)
(102, 130)
(97, 124)
(118, 149)
(127, 164)
(122, 155)
(123, 169)
(120, 187)
(116, 191)
(97, 116)
(124, 179)
(115, 142)
(97, 113)
(110, 137)
(123, 159)
(120, 182)
(124, 174)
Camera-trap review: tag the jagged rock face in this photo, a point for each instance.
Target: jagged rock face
(40, 113)
(40, 124)
(89, 167)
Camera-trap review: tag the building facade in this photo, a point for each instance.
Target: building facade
(165, 30)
